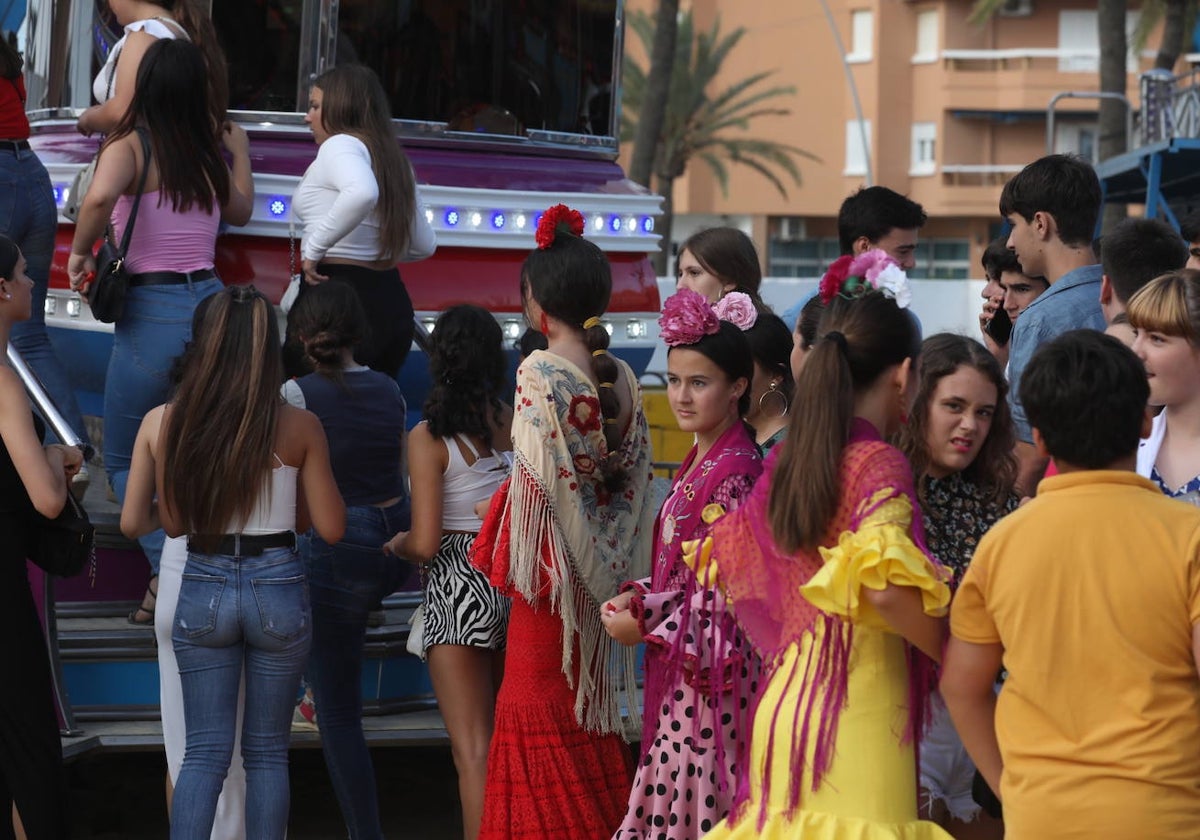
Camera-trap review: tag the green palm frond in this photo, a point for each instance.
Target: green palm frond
(983, 11)
(1151, 14)
(707, 124)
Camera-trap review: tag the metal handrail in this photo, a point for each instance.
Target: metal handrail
(53, 417)
(1087, 94)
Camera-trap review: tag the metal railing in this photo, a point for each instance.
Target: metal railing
(54, 419)
(1170, 105)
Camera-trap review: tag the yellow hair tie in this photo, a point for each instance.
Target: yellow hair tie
(600, 352)
(609, 422)
(606, 384)
(591, 322)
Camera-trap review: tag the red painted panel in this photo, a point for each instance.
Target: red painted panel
(484, 276)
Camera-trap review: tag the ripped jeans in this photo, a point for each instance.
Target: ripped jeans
(236, 612)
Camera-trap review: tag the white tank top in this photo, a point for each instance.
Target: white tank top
(275, 510)
(464, 486)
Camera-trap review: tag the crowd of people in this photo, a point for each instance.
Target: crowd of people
(899, 587)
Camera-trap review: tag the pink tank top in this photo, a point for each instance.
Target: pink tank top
(164, 240)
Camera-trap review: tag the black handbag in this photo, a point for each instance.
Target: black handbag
(63, 545)
(106, 294)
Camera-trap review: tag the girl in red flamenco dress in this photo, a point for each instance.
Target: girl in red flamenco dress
(573, 522)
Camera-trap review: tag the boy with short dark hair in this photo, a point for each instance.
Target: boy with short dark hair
(876, 217)
(1007, 293)
(1132, 254)
(1189, 229)
(1089, 595)
(1052, 205)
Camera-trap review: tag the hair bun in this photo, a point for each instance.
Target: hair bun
(557, 219)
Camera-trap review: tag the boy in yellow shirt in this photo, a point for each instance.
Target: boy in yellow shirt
(1090, 596)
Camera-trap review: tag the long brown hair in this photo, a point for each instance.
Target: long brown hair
(11, 62)
(354, 103)
(859, 340)
(220, 432)
(203, 34)
(994, 468)
(170, 101)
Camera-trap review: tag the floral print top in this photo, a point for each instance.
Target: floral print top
(957, 513)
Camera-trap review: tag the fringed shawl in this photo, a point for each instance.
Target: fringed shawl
(765, 586)
(570, 540)
(711, 654)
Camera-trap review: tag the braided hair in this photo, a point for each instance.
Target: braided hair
(571, 281)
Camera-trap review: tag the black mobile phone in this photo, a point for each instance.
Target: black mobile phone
(1000, 327)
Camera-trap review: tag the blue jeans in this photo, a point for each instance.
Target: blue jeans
(346, 580)
(250, 612)
(152, 331)
(29, 217)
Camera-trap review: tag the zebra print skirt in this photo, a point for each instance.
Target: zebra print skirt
(461, 607)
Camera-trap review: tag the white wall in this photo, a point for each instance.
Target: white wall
(942, 305)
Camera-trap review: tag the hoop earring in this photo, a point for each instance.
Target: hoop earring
(776, 393)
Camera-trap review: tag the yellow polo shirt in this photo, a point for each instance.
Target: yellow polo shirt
(1093, 589)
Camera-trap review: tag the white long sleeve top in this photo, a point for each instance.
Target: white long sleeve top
(335, 206)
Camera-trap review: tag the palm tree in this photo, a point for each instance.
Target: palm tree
(657, 91)
(1178, 18)
(709, 126)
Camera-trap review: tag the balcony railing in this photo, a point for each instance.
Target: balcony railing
(978, 174)
(1029, 58)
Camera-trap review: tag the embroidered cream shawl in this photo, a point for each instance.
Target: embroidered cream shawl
(565, 527)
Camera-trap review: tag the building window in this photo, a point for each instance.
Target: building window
(796, 256)
(942, 259)
(1076, 139)
(1079, 41)
(862, 36)
(924, 149)
(927, 37)
(858, 146)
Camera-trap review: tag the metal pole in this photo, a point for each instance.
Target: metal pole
(45, 405)
(1088, 94)
(858, 111)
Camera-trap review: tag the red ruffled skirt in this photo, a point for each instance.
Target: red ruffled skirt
(546, 776)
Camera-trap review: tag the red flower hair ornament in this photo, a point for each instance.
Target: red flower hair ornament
(558, 218)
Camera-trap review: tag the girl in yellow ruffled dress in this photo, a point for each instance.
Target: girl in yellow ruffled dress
(827, 578)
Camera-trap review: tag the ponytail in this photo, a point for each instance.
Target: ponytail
(858, 339)
(805, 486)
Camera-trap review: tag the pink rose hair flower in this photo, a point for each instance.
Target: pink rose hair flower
(870, 264)
(738, 309)
(687, 318)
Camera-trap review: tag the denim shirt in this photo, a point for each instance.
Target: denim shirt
(1072, 303)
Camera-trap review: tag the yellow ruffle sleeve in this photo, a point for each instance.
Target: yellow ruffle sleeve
(698, 554)
(879, 553)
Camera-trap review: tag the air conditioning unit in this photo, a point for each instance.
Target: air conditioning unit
(1015, 8)
(791, 228)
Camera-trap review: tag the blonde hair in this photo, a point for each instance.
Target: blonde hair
(1169, 304)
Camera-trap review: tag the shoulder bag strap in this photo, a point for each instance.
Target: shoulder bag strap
(137, 198)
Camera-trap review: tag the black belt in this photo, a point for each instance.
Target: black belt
(14, 146)
(240, 545)
(171, 278)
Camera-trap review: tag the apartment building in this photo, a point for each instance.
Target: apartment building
(948, 111)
